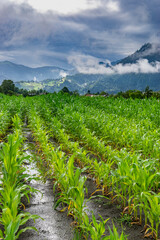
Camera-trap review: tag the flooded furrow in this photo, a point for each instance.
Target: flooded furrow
(56, 225)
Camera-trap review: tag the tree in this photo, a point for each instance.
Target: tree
(33, 92)
(25, 93)
(65, 90)
(103, 93)
(148, 92)
(8, 87)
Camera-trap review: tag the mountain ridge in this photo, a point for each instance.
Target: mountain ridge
(149, 51)
(55, 78)
(19, 72)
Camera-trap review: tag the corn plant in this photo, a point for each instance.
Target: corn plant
(11, 218)
(153, 215)
(114, 234)
(84, 126)
(101, 172)
(96, 229)
(72, 187)
(13, 187)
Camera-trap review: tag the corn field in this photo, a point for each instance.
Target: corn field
(116, 142)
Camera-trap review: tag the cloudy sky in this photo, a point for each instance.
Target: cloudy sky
(56, 32)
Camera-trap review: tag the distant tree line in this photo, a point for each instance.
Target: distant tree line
(75, 92)
(8, 87)
(147, 93)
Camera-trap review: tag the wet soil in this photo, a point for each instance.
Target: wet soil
(105, 208)
(57, 225)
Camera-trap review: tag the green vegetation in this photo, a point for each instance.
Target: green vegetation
(81, 84)
(114, 140)
(8, 87)
(13, 186)
(111, 84)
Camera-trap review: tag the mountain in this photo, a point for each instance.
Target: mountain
(116, 83)
(111, 83)
(16, 72)
(97, 83)
(148, 51)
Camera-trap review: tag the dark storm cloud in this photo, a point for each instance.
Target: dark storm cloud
(113, 30)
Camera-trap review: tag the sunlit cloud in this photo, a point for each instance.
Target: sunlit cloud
(90, 65)
(112, 5)
(61, 6)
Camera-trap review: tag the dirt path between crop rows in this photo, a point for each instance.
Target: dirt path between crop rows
(56, 225)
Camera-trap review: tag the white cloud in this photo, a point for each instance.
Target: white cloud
(110, 29)
(61, 6)
(141, 66)
(63, 74)
(113, 6)
(90, 65)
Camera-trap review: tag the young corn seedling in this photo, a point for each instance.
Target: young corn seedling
(11, 218)
(143, 182)
(153, 215)
(114, 234)
(97, 229)
(72, 186)
(101, 172)
(13, 189)
(94, 228)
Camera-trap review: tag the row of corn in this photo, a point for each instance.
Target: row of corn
(69, 183)
(13, 185)
(127, 176)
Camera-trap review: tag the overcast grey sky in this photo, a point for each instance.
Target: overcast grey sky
(51, 32)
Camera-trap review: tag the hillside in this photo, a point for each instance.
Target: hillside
(16, 72)
(111, 83)
(97, 83)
